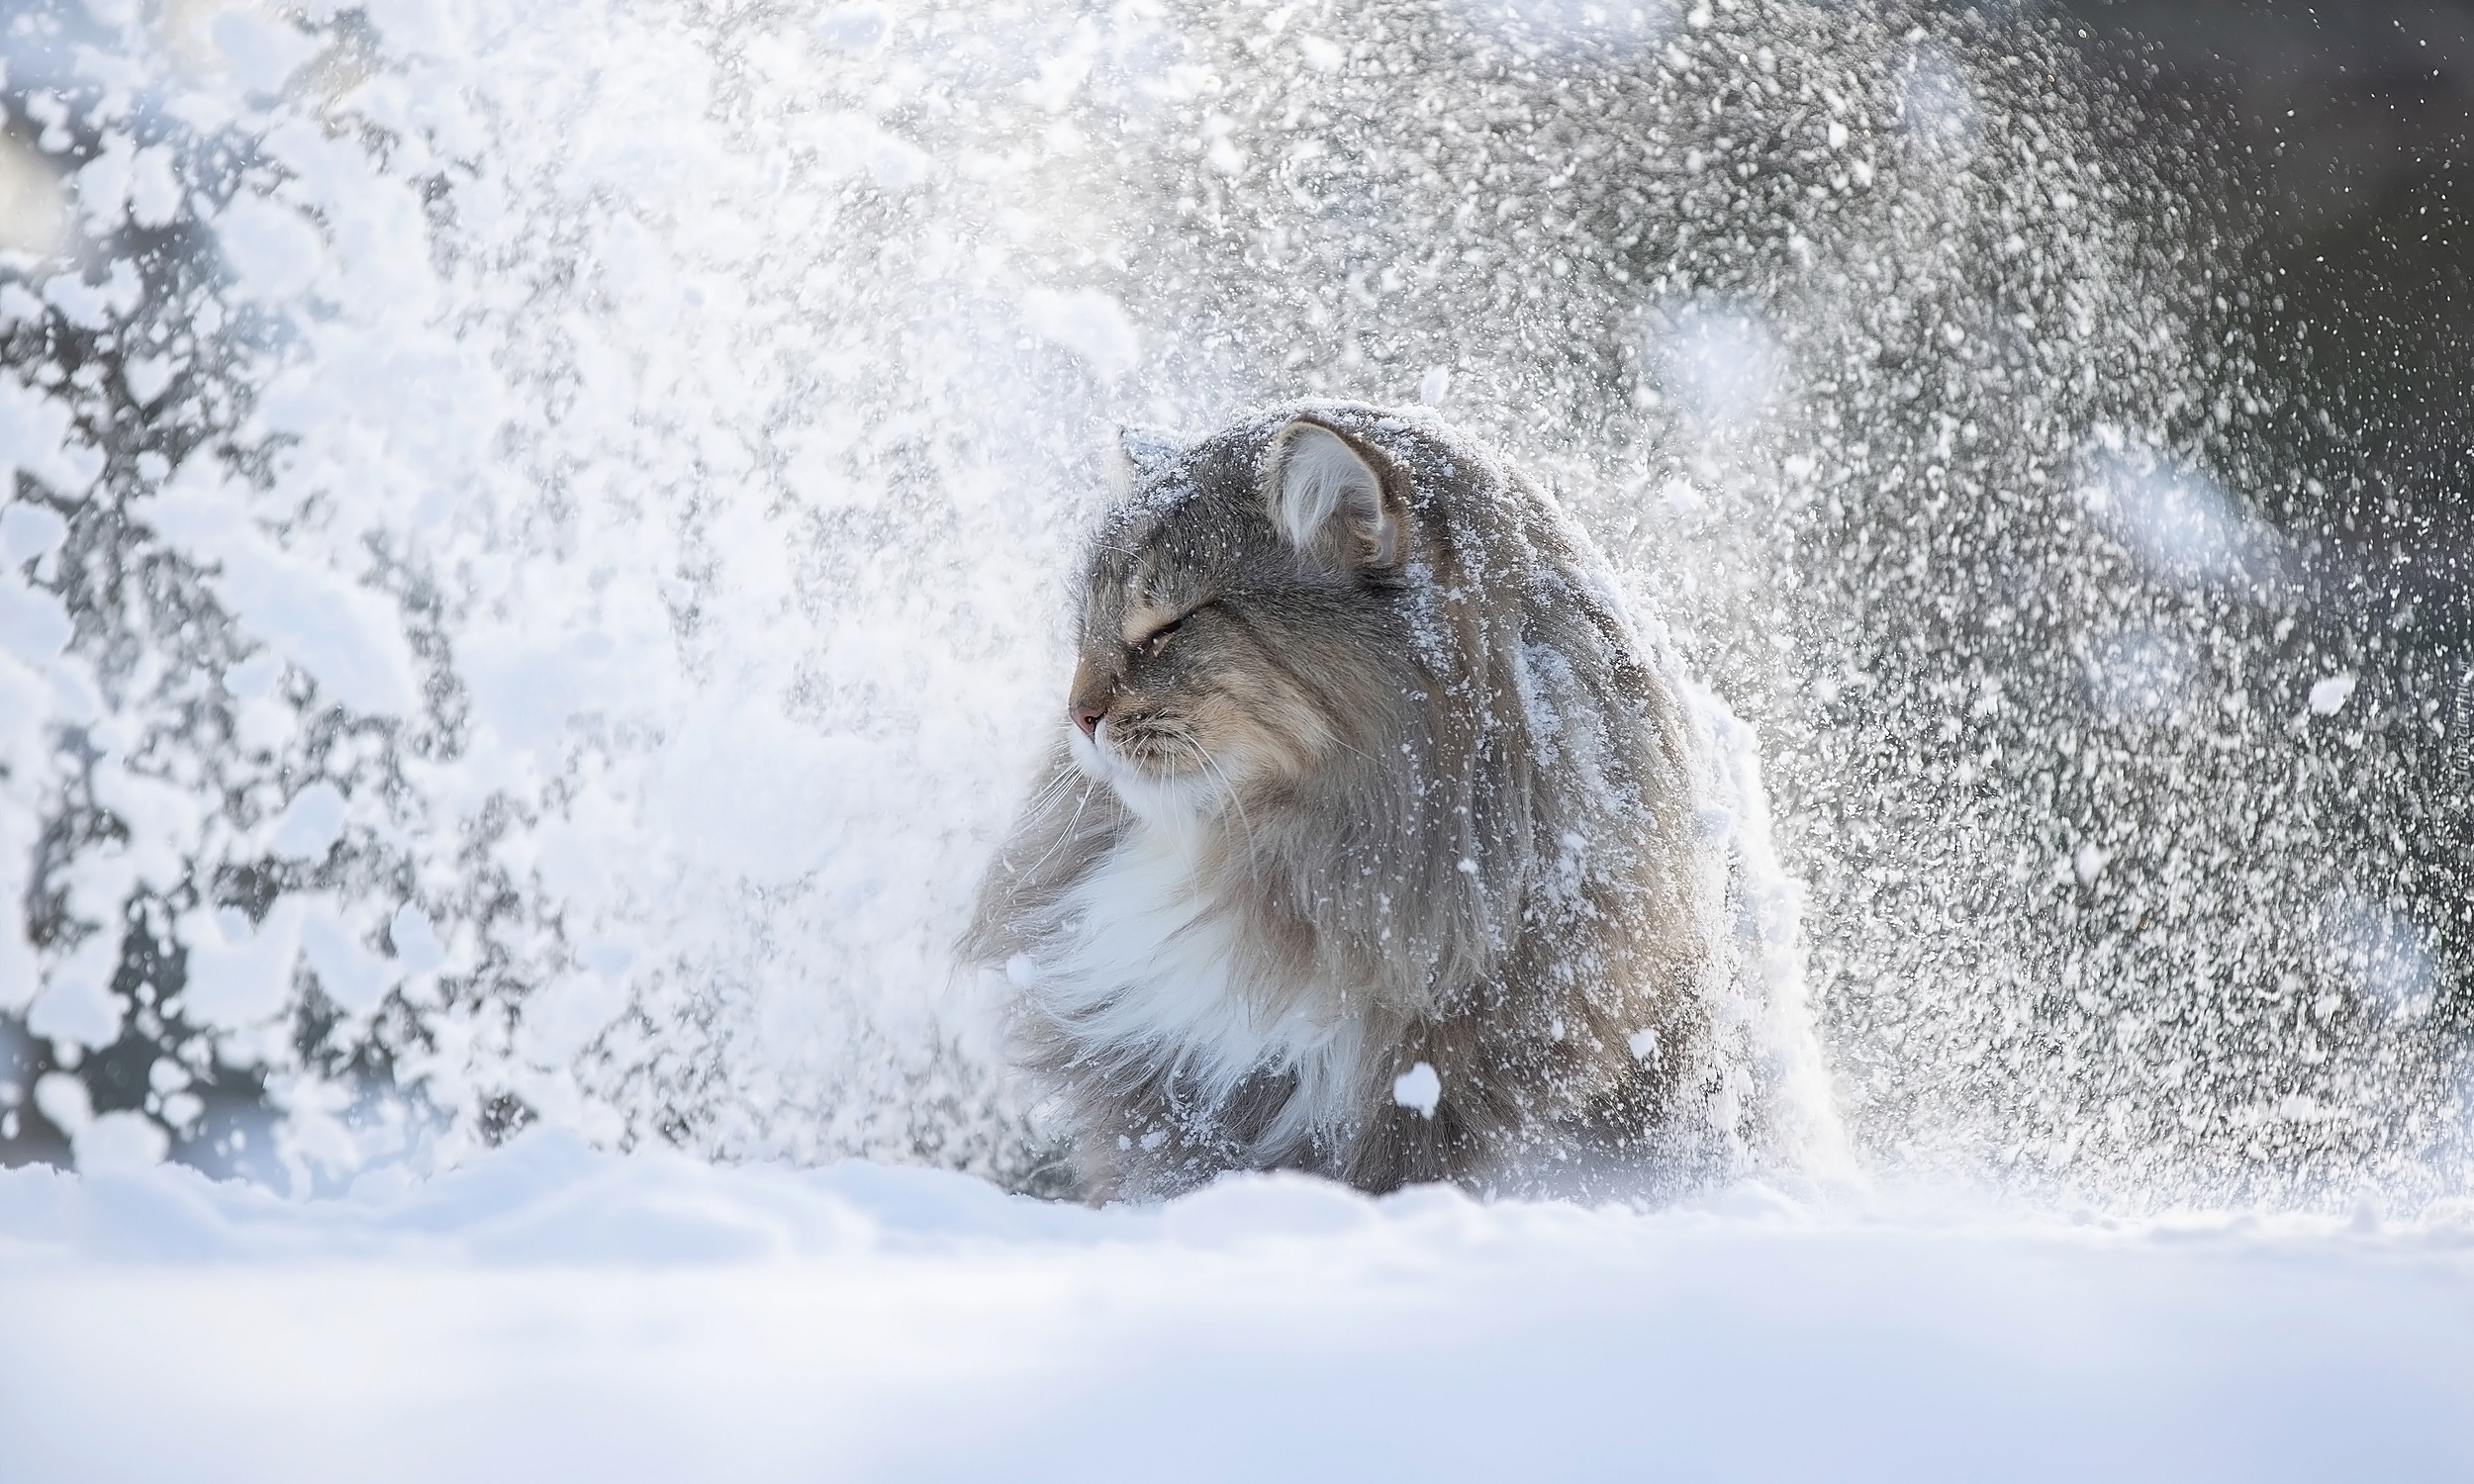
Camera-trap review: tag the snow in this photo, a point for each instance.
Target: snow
(274, 254)
(260, 51)
(38, 437)
(239, 973)
(346, 636)
(1086, 322)
(77, 1003)
(27, 532)
(1419, 1088)
(551, 1311)
(34, 626)
(2329, 697)
(310, 824)
(148, 376)
(96, 306)
(603, 482)
(352, 975)
(2180, 522)
(603, 503)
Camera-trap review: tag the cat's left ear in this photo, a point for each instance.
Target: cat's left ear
(1325, 491)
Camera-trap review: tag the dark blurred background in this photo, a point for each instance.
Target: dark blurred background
(2335, 139)
(2336, 143)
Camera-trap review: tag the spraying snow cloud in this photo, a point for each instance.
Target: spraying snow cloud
(2139, 673)
(1087, 322)
(1717, 357)
(1624, 23)
(2382, 954)
(2177, 521)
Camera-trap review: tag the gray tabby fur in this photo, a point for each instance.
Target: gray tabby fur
(1405, 785)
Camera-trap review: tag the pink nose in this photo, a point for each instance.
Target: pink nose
(1087, 717)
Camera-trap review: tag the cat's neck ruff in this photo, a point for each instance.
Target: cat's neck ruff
(1147, 969)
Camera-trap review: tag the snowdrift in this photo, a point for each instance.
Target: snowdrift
(552, 1313)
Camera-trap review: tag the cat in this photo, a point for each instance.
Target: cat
(1379, 842)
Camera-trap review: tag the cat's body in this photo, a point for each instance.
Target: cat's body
(1368, 769)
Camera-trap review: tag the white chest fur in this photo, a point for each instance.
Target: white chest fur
(1144, 971)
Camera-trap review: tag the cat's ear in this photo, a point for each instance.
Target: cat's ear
(1323, 492)
(1145, 452)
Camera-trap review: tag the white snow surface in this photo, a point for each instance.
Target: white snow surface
(550, 1312)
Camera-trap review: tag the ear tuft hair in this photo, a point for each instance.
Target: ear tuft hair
(1323, 492)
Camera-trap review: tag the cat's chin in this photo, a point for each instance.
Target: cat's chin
(1180, 801)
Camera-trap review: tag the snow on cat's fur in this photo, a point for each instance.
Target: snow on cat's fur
(1364, 766)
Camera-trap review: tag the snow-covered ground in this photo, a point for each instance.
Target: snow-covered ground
(548, 1312)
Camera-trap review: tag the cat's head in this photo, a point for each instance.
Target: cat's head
(1240, 625)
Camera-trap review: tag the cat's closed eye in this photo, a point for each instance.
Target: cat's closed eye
(1158, 639)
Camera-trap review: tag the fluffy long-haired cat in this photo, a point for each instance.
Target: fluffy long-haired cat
(1380, 842)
